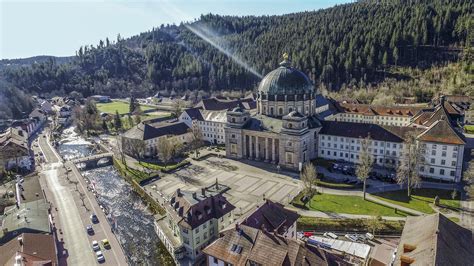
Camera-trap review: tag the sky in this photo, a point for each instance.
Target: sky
(59, 28)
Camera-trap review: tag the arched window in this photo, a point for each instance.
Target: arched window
(290, 110)
(290, 125)
(280, 111)
(271, 110)
(233, 120)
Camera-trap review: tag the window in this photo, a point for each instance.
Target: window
(443, 162)
(186, 240)
(441, 171)
(198, 239)
(434, 146)
(453, 163)
(432, 161)
(455, 155)
(422, 168)
(196, 230)
(280, 111)
(443, 154)
(204, 236)
(433, 152)
(452, 173)
(185, 230)
(431, 170)
(455, 148)
(445, 147)
(204, 226)
(290, 125)
(215, 260)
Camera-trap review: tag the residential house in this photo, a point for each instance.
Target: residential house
(193, 220)
(14, 150)
(434, 240)
(30, 249)
(273, 217)
(245, 245)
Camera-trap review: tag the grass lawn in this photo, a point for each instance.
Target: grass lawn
(121, 107)
(420, 199)
(469, 129)
(349, 205)
(133, 173)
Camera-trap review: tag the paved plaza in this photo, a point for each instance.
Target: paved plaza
(249, 184)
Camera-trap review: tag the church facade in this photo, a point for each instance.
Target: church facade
(284, 129)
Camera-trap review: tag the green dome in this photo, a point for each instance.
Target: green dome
(285, 80)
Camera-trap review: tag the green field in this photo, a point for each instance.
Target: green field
(420, 199)
(121, 107)
(329, 203)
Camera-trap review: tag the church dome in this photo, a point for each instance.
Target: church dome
(285, 80)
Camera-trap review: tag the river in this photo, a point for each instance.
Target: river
(134, 223)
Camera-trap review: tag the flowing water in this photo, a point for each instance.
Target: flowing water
(134, 223)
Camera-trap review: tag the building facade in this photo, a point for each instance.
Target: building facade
(209, 123)
(284, 129)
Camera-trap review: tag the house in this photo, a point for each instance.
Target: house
(46, 106)
(14, 150)
(29, 249)
(142, 140)
(245, 245)
(193, 220)
(273, 217)
(100, 98)
(27, 217)
(434, 240)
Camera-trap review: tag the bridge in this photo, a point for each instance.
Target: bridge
(94, 161)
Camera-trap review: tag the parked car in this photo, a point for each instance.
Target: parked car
(330, 235)
(351, 237)
(95, 245)
(105, 243)
(100, 256)
(369, 236)
(94, 218)
(89, 229)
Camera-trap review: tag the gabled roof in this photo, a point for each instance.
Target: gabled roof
(194, 113)
(435, 240)
(441, 131)
(272, 216)
(214, 104)
(243, 244)
(38, 249)
(13, 137)
(191, 209)
(373, 110)
(146, 131)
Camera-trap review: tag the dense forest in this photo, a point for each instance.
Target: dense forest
(348, 46)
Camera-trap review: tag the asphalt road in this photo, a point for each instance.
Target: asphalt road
(72, 217)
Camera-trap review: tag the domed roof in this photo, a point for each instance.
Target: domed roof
(285, 80)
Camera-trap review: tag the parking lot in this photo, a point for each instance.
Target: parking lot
(248, 184)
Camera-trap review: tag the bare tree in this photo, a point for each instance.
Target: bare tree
(365, 162)
(120, 150)
(165, 150)
(196, 139)
(411, 159)
(468, 177)
(374, 224)
(309, 179)
(178, 107)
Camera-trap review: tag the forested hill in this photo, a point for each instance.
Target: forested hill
(338, 47)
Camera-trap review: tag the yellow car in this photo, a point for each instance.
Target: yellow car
(105, 243)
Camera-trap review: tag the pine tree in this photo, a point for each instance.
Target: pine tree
(117, 121)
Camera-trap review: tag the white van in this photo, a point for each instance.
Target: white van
(369, 236)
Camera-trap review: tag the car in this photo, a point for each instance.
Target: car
(105, 243)
(330, 235)
(95, 245)
(369, 236)
(100, 256)
(351, 237)
(94, 218)
(89, 229)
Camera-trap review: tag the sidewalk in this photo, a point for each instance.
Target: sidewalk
(319, 214)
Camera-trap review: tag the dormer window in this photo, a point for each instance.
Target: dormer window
(224, 205)
(290, 125)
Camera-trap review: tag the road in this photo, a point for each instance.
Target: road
(71, 216)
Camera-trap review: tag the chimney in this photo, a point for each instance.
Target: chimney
(20, 240)
(178, 192)
(194, 195)
(442, 98)
(203, 192)
(217, 184)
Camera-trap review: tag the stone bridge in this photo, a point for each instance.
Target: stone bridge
(94, 161)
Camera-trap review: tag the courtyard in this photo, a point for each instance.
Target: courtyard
(249, 184)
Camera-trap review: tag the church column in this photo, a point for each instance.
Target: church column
(267, 154)
(257, 153)
(250, 147)
(244, 146)
(273, 151)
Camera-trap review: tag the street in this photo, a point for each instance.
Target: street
(71, 216)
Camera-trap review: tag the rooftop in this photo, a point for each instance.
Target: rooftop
(373, 110)
(146, 131)
(35, 249)
(435, 240)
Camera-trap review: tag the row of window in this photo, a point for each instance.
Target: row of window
(377, 117)
(431, 170)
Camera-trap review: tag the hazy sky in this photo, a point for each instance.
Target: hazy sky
(29, 28)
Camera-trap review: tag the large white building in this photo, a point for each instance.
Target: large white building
(210, 123)
(443, 146)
